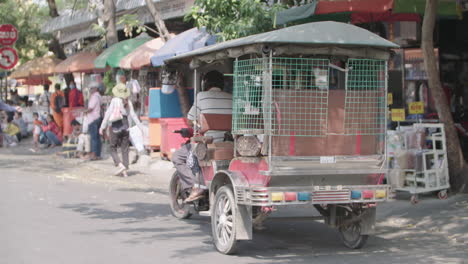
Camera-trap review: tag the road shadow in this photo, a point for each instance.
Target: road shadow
(299, 242)
(409, 241)
(146, 190)
(130, 213)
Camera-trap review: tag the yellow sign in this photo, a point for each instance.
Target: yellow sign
(416, 108)
(398, 114)
(389, 99)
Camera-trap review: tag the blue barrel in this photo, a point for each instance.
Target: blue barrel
(163, 105)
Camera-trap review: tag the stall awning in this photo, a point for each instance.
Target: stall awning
(80, 62)
(141, 56)
(112, 55)
(354, 6)
(295, 14)
(186, 41)
(362, 11)
(34, 81)
(39, 67)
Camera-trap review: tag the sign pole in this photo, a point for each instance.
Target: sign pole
(6, 86)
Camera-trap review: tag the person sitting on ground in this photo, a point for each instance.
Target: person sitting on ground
(75, 96)
(52, 132)
(11, 133)
(70, 148)
(211, 101)
(84, 142)
(19, 121)
(117, 115)
(37, 130)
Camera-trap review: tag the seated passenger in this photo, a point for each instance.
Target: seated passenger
(211, 101)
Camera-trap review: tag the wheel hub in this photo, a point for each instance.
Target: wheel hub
(222, 219)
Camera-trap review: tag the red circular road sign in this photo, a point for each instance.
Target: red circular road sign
(8, 34)
(8, 58)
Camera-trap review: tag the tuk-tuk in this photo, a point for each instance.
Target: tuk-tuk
(308, 127)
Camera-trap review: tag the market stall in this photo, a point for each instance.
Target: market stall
(167, 105)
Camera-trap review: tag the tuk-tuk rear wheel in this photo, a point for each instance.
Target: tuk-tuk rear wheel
(351, 235)
(223, 220)
(178, 208)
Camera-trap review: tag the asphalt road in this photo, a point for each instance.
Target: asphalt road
(55, 211)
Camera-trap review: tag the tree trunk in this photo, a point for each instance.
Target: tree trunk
(184, 100)
(54, 44)
(454, 152)
(109, 22)
(52, 8)
(158, 21)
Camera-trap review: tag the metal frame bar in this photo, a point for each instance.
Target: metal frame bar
(195, 94)
(308, 172)
(270, 103)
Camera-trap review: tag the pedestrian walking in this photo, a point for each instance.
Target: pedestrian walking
(117, 117)
(93, 119)
(57, 102)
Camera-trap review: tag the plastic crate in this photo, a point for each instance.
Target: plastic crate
(170, 141)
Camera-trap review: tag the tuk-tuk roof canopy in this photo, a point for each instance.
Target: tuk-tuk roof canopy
(316, 34)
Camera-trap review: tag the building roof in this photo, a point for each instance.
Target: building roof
(70, 18)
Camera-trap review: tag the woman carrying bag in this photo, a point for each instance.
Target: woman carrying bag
(117, 117)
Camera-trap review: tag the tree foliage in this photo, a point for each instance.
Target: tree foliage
(27, 16)
(130, 23)
(230, 19)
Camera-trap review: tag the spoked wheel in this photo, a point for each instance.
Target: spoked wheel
(352, 237)
(178, 208)
(223, 221)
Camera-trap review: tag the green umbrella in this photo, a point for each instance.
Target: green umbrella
(112, 55)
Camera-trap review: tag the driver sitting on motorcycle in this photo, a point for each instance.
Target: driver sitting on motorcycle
(211, 101)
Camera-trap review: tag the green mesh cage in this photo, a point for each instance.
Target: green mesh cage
(296, 103)
(365, 100)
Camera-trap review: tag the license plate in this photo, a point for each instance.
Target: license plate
(327, 160)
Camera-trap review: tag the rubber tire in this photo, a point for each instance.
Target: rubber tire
(354, 244)
(176, 210)
(231, 247)
(442, 195)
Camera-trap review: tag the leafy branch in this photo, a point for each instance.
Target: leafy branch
(230, 19)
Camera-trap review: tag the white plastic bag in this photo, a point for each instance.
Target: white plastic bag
(136, 137)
